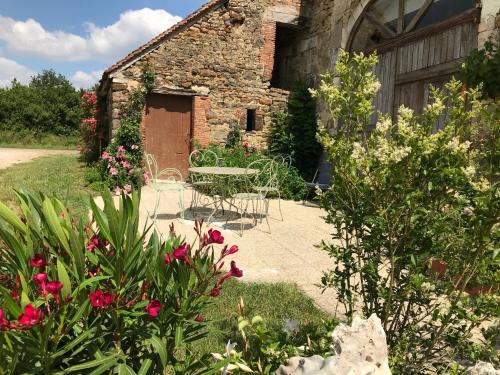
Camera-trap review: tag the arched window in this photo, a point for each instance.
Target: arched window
(419, 42)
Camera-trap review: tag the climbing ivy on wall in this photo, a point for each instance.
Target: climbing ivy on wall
(121, 165)
(294, 132)
(483, 67)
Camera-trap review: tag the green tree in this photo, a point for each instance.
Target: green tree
(48, 104)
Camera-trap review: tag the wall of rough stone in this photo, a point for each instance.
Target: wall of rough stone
(489, 27)
(225, 61)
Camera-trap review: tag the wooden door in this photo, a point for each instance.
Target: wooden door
(168, 130)
(418, 42)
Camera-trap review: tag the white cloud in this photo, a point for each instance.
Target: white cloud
(109, 43)
(83, 80)
(10, 69)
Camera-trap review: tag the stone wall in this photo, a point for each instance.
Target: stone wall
(225, 61)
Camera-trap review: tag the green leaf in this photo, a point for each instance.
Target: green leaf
(64, 278)
(73, 343)
(123, 369)
(55, 225)
(257, 319)
(10, 217)
(105, 361)
(159, 348)
(9, 302)
(243, 324)
(146, 364)
(24, 299)
(179, 332)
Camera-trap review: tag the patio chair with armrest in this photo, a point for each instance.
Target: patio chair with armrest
(168, 179)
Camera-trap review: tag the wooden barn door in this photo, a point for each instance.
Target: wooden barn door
(418, 43)
(168, 130)
(432, 60)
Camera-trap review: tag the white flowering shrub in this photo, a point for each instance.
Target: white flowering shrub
(416, 220)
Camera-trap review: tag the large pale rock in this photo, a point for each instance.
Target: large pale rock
(482, 368)
(360, 349)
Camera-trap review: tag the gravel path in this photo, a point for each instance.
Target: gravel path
(11, 156)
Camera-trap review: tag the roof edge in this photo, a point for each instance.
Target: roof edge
(153, 43)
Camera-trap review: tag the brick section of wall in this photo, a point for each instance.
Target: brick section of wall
(200, 130)
(268, 32)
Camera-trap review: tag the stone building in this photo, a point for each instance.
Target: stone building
(233, 62)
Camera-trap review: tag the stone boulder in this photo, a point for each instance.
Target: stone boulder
(360, 349)
(482, 368)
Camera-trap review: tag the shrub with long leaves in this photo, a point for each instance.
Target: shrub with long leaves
(105, 297)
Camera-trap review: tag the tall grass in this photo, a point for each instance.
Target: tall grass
(30, 139)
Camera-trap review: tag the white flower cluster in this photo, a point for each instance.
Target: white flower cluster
(456, 146)
(436, 108)
(481, 185)
(387, 153)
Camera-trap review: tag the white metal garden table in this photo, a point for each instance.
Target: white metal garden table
(223, 183)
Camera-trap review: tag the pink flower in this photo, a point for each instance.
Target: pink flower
(200, 318)
(121, 149)
(215, 237)
(127, 188)
(113, 171)
(40, 279)
(118, 191)
(105, 155)
(168, 260)
(233, 272)
(233, 249)
(215, 292)
(3, 321)
(146, 177)
(30, 316)
(100, 299)
(38, 261)
(153, 308)
(95, 243)
(54, 287)
(125, 164)
(181, 253)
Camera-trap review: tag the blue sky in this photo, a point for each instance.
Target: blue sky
(79, 38)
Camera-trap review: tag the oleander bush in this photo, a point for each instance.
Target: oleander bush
(416, 218)
(105, 296)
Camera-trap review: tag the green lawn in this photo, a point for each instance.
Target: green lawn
(24, 139)
(60, 176)
(275, 302)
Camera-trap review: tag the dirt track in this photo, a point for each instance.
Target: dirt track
(11, 156)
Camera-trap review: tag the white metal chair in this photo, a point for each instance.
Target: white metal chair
(200, 182)
(250, 195)
(270, 183)
(168, 179)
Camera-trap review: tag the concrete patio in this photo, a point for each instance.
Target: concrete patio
(287, 254)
